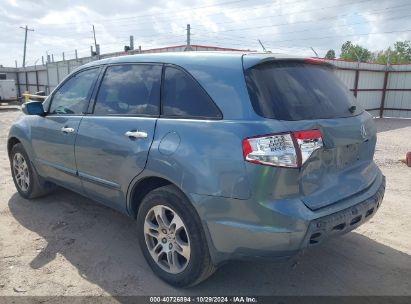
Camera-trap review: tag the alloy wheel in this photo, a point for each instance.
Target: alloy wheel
(21, 172)
(167, 239)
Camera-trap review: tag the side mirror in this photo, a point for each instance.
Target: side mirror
(33, 108)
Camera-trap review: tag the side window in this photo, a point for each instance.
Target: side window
(184, 97)
(72, 96)
(130, 90)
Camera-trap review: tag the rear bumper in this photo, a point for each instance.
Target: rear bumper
(244, 229)
(344, 221)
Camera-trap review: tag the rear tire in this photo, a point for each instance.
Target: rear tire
(172, 239)
(25, 177)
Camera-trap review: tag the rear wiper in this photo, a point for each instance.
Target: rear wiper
(352, 109)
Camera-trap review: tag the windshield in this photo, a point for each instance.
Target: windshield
(298, 91)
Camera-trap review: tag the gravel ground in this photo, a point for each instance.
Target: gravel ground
(65, 244)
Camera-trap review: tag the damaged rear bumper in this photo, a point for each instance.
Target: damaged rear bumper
(345, 220)
(249, 229)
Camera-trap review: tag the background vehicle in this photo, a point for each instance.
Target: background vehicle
(217, 156)
(7, 89)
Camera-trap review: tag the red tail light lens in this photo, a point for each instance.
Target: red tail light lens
(308, 142)
(283, 150)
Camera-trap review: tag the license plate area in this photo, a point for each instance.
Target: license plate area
(347, 155)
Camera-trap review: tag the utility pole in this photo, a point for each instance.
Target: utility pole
(95, 41)
(188, 47)
(26, 29)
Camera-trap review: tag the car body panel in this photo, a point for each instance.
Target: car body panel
(199, 162)
(268, 228)
(54, 149)
(107, 159)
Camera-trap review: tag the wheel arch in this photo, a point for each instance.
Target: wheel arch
(11, 142)
(142, 187)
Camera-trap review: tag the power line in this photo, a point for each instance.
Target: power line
(349, 35)
(167, 13)
(263, 26)
(156, 14)
(383, 10)
(247, 38)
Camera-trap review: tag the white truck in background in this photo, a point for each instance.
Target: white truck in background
(7, 90)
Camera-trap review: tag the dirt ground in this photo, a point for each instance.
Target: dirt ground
(65, 244)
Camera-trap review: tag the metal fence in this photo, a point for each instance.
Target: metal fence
(384, 91)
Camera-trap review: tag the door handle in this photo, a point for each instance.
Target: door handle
(136, 134)
(67, 130)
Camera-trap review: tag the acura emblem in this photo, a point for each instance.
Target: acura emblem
(363, 131)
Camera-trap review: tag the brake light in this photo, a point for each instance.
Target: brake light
(290, 149)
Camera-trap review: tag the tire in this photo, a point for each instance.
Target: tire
(32, 186)
(189, 258)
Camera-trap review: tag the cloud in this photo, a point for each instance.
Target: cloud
(291, 26)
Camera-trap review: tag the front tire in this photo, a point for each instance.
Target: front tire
(25, 178)
(172, 239)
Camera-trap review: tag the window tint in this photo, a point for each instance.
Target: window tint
(72, 96)
(130, 89)
(184, 97)
(297, 91)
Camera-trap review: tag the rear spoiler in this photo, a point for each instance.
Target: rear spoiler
(251, 60)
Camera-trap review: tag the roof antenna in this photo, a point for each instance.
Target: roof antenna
(262, 45)
(316, 55)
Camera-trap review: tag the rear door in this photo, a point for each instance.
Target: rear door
(114, 138)
(306, 95)
(53, 135)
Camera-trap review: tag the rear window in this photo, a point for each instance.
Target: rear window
(183, 97)
(298, 91)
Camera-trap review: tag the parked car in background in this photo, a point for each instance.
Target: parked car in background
(218, 156)
(7, 90)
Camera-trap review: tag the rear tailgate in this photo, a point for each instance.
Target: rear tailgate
(344, 166)
(306, 95)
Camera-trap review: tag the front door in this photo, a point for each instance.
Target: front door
(113, 141)
(54, 135)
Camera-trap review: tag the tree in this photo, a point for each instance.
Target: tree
(330, 54)
(403, 49)
(354, 52)
(401, 53)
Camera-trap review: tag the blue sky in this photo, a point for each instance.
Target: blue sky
(290, 26)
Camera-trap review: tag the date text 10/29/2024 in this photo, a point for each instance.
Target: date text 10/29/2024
(199, 299)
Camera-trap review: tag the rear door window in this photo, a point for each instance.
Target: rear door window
(184, 97)
(298, 91)
(131, 89)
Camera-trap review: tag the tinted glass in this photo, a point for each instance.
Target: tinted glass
(72, 97)
(184, 97)
(130, 90)
(297, 91)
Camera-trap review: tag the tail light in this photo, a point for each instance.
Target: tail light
(283, 150)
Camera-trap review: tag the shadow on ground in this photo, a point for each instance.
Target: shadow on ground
(102, 245)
